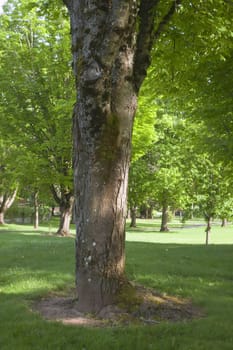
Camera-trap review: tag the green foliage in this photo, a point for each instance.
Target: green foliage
(8, 169)
(144, 133)
(38, 91)
(192, 69)
(210, 187)
(158, 176)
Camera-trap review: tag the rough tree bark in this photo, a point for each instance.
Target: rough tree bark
(111, 53)
(6, 201)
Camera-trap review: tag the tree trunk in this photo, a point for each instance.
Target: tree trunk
(165, 216)
(6, 201)
(64, 197)
(207, 230)
(36, 210)
(111, 52)
(103, 120)
(150, 212)
(224, 222)
(133, 216)
(2, 221)
(66, 210)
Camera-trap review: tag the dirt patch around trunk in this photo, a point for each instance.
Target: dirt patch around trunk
(148, 307)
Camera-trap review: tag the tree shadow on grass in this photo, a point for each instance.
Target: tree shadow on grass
(35, 266)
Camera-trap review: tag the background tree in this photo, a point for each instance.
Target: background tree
(37, 96)
(139, 187)
(191, 64)
(8, 178)
(211, 185)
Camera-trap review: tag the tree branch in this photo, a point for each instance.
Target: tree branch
(147, 36)
(56, 195)
(11, 199)
(166, 18)
(144, 43)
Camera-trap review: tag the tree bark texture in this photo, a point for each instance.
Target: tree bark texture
(110, 58)
(103, 120)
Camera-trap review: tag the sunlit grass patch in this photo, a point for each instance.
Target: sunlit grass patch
(34, 265)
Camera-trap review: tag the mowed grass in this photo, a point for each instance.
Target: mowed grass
(36, 264)
(192, 232)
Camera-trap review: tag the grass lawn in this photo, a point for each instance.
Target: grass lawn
(34, 264)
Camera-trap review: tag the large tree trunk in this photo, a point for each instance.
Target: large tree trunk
(165, 217)
(110, 58)
(103, 120)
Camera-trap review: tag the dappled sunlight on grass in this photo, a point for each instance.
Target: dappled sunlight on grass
(26, 281)
(201, 273)
(35, 264)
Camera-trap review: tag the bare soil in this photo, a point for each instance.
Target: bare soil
(148, 308)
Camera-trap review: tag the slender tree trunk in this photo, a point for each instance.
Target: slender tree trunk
(224, 222)
(133, 216)
(150, 212)
(36, 210)
(2, 221)
(192, 215)
(66, 210)
(207, 230)
(165, 216)
(64, 197)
